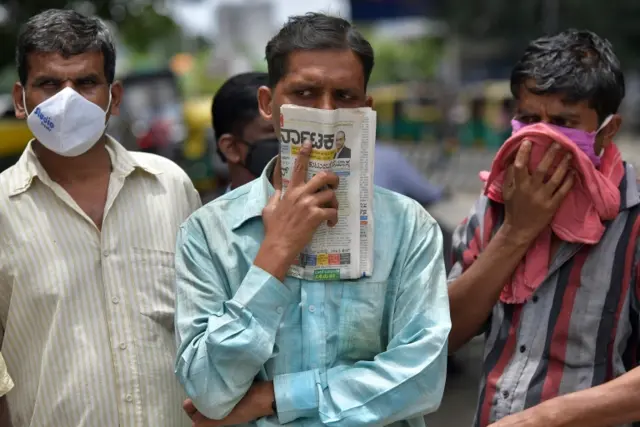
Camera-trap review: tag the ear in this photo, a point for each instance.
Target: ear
(265, 102)
(369, 101)
(18, 101)
(117, 90)
(230, 149)
(610, 131)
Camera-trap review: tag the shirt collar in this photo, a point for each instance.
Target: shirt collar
(29, 167)
(257, 196)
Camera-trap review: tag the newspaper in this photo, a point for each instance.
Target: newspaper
(343, 142)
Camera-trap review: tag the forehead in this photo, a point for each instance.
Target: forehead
(59, 66)
(328, 68)
(551, 104)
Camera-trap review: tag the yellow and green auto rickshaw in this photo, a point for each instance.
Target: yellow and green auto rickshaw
(407, 114)
(489, 110)
(199, 157)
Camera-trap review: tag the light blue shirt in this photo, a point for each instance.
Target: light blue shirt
(343, 353)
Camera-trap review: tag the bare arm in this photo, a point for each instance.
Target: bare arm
(614, 403)
(473, 295)
(530, 204)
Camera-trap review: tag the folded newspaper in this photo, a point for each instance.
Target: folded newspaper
(343, 142)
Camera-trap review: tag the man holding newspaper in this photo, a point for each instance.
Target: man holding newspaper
(289, 310)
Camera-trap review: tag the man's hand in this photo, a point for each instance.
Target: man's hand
(531, 200)
(291, 221)
(257, 403)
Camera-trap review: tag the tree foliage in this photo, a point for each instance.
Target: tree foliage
(519, 22)
(400, 61)
(140, 23)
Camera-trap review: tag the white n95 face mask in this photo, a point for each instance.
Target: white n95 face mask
(67, 123)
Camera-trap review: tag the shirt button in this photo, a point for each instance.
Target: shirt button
(312, 308)
(128, 398)
(279, 310)
(105, 253)
(523, 348)
(115, 300)
(535, 299)
(123, 346)
(505, 394)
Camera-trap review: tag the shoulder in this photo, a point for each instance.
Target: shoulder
(8, 179)
(224, 212)
(402, 221)
(165, 168)
(389, 204)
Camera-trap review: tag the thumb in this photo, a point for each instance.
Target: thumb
(189, 407)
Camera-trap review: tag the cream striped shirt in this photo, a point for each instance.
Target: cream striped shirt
(6, 383)
(87, 316)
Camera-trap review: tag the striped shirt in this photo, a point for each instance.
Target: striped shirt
(579, 329)
(87, 315)
(6, 383)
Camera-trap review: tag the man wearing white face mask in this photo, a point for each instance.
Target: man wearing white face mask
(87, 239)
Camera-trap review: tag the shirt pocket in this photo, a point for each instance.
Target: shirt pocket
(360, 325)
(154, 284)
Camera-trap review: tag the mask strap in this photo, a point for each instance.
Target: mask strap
(605, 123)
(602, 126)
(110, 99)
(24, 102)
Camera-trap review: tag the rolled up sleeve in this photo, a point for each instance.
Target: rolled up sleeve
(223, 340)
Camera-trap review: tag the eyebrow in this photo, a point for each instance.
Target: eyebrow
(567, 115)
(45, 78)
(314, 82)
(563, 114)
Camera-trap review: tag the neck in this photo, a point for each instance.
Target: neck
(239, 176)
(94, 162)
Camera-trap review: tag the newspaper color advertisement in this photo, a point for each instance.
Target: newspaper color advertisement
(343, 142)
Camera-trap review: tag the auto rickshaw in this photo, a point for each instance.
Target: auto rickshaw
(488, 113)
(411, 113)
(199, 157)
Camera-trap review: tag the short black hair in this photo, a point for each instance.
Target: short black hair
(235, 104)
(578, 65)
(68, 33)
(315, 31)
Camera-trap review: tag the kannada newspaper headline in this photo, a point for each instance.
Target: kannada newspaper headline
(343, 142)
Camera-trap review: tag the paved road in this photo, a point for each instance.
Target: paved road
(461, 393)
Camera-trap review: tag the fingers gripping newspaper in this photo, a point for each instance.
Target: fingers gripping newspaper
(343, 142)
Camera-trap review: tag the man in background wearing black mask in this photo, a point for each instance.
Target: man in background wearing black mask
(245, 141)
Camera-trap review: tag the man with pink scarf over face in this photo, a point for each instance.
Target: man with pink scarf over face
(547, 262)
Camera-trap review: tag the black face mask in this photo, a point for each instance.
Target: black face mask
(260, 154)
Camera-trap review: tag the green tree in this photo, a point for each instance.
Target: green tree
(140, 23)
(400, 61)
(519, 22)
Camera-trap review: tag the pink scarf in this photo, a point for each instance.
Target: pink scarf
(594, 198)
